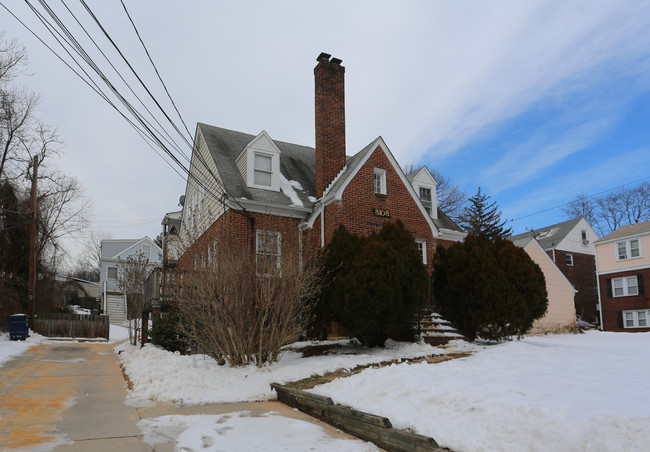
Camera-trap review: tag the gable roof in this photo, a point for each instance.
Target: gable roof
(525, 242)
(297, 164)
(627, 231)
(550, 236)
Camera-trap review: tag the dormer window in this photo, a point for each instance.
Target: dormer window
(425, 197)
(259, 163)
(263, 171)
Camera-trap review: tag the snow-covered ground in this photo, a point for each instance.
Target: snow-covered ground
(582, 392)
(241, 431)
(9, 349)
(197, 379)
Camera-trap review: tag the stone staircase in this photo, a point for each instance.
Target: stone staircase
(115, 308)
(434, 329)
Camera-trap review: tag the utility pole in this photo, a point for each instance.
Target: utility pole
(31, 283)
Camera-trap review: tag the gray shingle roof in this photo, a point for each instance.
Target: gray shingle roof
(297, 163)
(549, 236)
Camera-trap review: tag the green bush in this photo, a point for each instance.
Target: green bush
(375, 284)
(166, 332)
(490, 289)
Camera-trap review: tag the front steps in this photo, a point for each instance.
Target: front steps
(435, 330)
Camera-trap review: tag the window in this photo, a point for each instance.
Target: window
(146, 250)
(623, 287)
(425, 197)
(380, 181)
(569, 260)
(268, 250)
(628, 249)
(422, 248)
(263, 170)
(636, 319)
(112, 272)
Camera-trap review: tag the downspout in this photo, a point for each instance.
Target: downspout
(104, 300)
(322, 224)
(600, 303)
(553, 255)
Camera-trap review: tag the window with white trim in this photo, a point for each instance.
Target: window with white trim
(146, 250)
(380, 181)
(569, 260)
(624, 287)
(425, 197)
(628, 249)
(268, 250)
(112, 273)
(263, 169)
(422, 248)
(636, 319)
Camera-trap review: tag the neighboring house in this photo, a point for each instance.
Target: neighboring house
(82, 293)
(113, 251)
(254, 193)
(560, 314)
(570, 245)
(623, 266)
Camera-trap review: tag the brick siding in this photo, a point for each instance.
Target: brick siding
(583, 277)
(613, 305)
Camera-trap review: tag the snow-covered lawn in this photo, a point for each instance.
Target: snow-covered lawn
(241, 431)
(198, 379)
(583, 392)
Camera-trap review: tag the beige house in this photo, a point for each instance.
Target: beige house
(561, 313)
(623, 266)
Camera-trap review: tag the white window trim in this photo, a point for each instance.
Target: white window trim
(382, 181)
(625, 285)
(569, 257)
(635, 319)
(278, 235)
(628, 249)
(275, 169)
(422, 246)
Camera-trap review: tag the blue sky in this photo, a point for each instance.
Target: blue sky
(534, 101)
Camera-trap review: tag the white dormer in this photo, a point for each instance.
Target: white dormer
(259, 163)
(425, 187)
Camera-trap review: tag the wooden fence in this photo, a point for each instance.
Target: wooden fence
(72, 325)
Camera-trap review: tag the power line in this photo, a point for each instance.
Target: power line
(586, 197)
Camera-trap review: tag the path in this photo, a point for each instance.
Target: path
(70, 397)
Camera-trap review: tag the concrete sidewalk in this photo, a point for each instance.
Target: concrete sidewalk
(71, 397)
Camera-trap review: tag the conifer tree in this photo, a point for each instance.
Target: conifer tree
(482, 217)
(488, 288)
(377, 283)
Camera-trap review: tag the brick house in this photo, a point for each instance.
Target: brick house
(623, 266)
(570, 245)
(266, 197)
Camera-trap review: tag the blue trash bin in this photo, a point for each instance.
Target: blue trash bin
(18, 327)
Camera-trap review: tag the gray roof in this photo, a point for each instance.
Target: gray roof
(550, 236)
(297, 163)
(627, 231)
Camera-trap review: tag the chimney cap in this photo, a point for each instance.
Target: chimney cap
(336, 61)
(323, 57)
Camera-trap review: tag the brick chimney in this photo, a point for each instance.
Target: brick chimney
(330, 120)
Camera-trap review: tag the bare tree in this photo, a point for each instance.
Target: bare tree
(451, 198)
(89, 261)
(611, 211)
(132, 274)
(243, 310)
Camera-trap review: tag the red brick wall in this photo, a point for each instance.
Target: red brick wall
(583, 277)
(355, 210)
(330, 122)
(612, 305)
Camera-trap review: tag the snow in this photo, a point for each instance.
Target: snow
(10, 349)
(558, 392)
(242, 431)
(287, 187)
(197, 379)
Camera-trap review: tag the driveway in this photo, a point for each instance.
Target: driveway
(71, 397)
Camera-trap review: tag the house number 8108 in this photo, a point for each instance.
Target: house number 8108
(381, 213)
